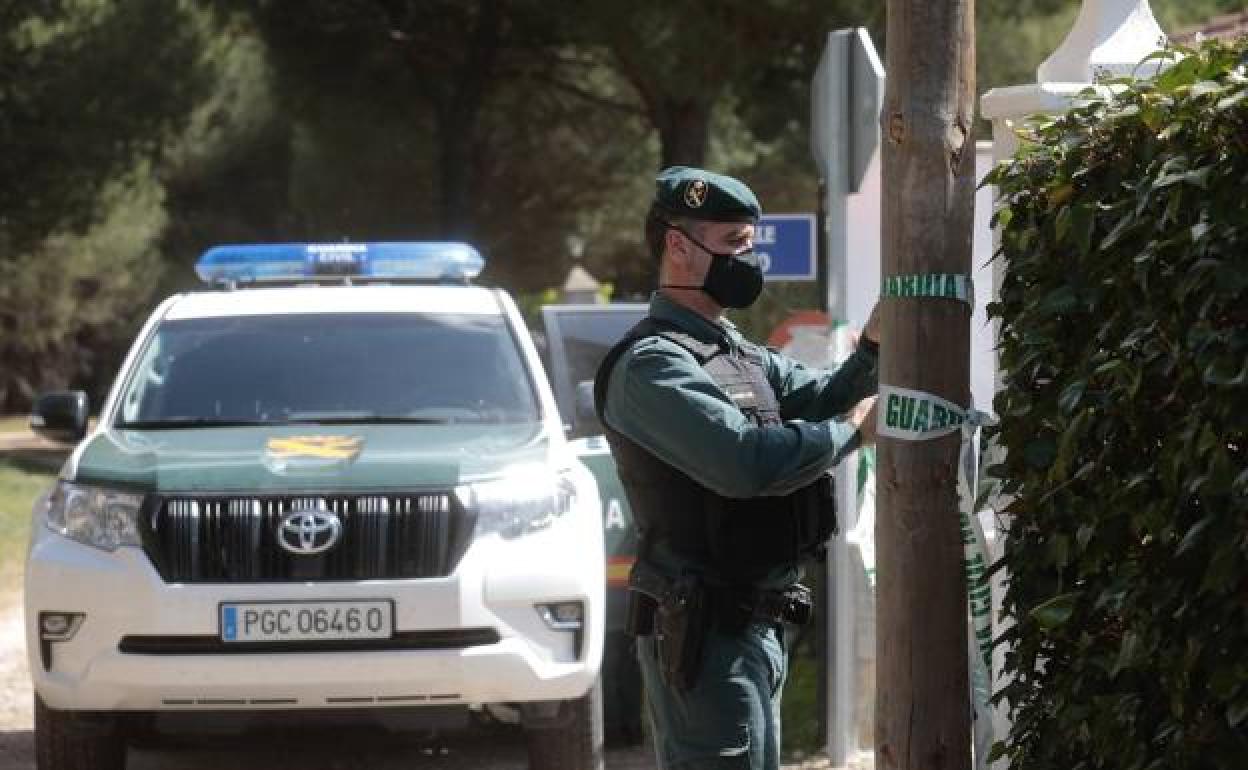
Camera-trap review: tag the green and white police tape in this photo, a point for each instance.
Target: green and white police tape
(912, 415)
(941, 285)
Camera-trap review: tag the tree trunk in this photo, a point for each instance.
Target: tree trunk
(684, 132)
(456, 164)
(923, 700)
(458, 101)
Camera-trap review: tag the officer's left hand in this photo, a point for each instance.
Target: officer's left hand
(863, 417)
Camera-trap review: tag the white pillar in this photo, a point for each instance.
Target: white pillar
(1109, 38)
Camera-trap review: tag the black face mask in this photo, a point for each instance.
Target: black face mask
(733, 280)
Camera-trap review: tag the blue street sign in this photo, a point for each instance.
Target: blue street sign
(785, 244)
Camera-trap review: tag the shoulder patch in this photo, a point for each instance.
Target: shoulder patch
(702, 351)
(656, 345)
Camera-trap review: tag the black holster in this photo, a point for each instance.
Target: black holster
(639, 616)
(680, 626)
(676, 613)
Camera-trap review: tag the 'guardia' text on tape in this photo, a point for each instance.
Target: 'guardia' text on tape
(941, 285)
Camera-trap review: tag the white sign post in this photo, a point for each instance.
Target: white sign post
(846, 95)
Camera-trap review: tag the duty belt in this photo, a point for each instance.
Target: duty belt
(732, 603)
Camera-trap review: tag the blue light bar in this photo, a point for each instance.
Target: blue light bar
(277, 262)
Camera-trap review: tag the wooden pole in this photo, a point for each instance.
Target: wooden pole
(923, 703)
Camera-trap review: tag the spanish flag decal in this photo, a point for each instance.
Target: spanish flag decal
(618, 568)
(314, 447)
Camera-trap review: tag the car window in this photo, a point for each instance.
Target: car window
(585, 336)
(330, 366)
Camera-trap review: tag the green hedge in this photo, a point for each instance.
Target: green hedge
(1124, 342)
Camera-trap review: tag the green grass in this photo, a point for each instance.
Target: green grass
(21, 481)
(799, 708)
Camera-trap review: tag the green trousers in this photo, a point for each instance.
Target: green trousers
(730, 719)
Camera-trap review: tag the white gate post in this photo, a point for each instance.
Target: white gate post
(1109, 37)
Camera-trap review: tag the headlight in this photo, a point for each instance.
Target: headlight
(99, 517)
(524, 500)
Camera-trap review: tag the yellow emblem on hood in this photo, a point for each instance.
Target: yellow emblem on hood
(323, 447)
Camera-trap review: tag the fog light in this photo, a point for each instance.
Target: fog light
(563, 616)
(56, 627)
(59, 626)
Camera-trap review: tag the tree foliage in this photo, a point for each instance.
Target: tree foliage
(89, 93)
(1124, 343)
(87, 87)
(441, 120)
(531, 128)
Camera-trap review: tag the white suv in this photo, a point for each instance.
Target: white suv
(340, 482)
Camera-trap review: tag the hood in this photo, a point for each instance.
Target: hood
(306, 457)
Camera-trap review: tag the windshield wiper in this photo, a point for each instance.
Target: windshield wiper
(369, 420)
(309, 418)
(191, 422)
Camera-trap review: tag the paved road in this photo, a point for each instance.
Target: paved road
(25, 441)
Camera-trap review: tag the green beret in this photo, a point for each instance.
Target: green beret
(682, 191)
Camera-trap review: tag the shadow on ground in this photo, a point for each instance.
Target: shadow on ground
(35, 460)
(329, 749)
(309, 749)
(17, 749)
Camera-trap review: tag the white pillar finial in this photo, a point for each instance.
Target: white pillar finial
(1109, 36)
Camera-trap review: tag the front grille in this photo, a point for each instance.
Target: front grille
(230, 539)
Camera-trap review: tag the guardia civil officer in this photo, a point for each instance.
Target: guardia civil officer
(724, 449)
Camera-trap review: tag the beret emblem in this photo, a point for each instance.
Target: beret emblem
(695, 194)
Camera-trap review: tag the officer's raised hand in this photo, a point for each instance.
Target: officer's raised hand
(862, 416)
(872, 329)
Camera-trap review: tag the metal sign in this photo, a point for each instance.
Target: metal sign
(785, 244)
(846, 95)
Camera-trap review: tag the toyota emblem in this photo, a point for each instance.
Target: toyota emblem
(309, 532)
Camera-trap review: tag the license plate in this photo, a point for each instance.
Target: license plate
(306, 621)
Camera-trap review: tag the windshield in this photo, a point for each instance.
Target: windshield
(327, 368)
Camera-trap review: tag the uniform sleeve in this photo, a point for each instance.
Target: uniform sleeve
(818, 394)
(659, 397)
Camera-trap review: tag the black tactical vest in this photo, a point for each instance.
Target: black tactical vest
(739, 539)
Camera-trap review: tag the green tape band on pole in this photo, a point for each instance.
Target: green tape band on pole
(940, 285)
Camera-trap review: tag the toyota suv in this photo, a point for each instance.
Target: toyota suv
(335, 482)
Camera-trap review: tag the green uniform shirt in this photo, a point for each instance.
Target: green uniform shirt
(661, 398)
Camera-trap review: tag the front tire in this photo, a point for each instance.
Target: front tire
(575, 742)
(68, 740)
(621, 692)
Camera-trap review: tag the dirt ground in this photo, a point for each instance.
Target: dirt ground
(15, 704)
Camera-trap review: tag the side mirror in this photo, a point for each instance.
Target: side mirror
(586, 415)
(60, 416)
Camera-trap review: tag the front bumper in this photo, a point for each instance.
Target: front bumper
(493, 593)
